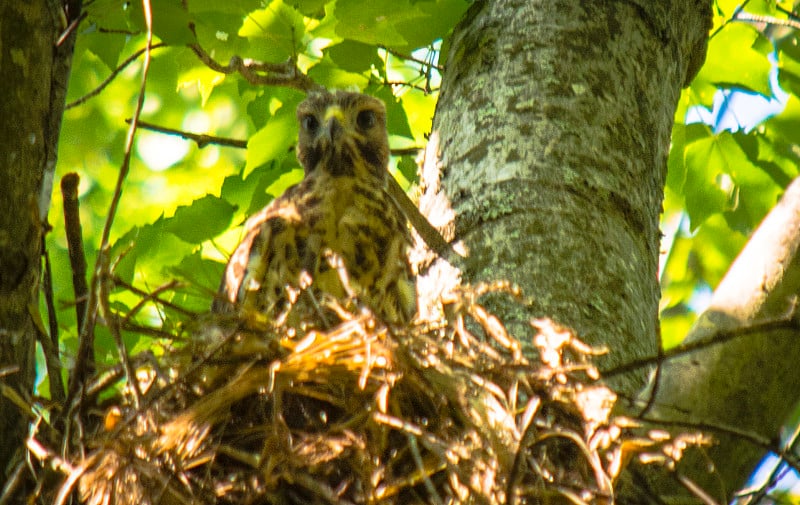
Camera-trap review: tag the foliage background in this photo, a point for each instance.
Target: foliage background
(182, 205)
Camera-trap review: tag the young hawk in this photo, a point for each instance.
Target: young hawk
(340, 211)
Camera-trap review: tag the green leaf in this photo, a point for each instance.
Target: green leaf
(258, 110)
(240, 7)
(374, 22)
(785, 127)
(144, 252)
(408, 167)
(268, 177)
(440, 18)
(708, 186)
(758, 192)
(330, 75)
(722, 178)
(275, 32)
(106, 46)
(170, 21)
(683, 135)
(750, 68)
(396, 120)
(398, 23)
(202, 275)
(237, 190)
(217, 33)
(203, 78)
(311, 8)
(354, 56)
(778, 160)
(274, 140)
(202, 220)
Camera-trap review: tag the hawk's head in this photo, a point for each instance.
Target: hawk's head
(344, 134)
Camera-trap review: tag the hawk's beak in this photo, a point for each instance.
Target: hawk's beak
(333, 123)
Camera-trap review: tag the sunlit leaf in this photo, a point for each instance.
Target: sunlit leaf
(440, 17)
(708, 187)
(396, 121)
(786, 125)
(309, 7)
(240, 7)
(202, 276)
(272, 142)
(375, 22)
(106, 47)
(332, 76)
(750, 68)
(408, 167)
(144, 252)
(202, 220)
(758, 192)
(203, 79)
(170, 20)
(217, 34)
(276, 32)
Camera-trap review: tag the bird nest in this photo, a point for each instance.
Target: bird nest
(445, 411)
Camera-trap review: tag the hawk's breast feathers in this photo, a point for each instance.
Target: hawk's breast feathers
(340, 210)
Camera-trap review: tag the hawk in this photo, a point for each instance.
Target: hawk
(335, 233)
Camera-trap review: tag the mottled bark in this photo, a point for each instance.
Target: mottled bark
(32, 89)
(553, 128)
(554, 122)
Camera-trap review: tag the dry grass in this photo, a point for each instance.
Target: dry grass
(442, 412)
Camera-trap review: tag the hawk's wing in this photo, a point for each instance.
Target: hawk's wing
(247, 268)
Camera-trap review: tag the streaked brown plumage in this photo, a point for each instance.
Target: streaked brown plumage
(340, 207)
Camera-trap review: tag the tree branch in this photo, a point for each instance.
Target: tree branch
(738, 383)
(77, 257)
(96, 91)
(255, 72)
(201, 139)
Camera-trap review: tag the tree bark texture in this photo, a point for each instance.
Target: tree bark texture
(557, 175)
(748, 384)
(32, 90)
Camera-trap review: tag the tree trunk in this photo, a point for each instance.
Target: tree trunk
(556, 180)
(32, 91)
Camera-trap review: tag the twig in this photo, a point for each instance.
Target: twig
(71, 28)
(99, 278)
(426, 480)
(775, 476)
(753, 438)
(77, 257)
(96, 91)
(411, 58)
(15, 479)
(50, 342)
(201, 139)
(152, 296)
(425, 89)
(405, 151)
(271, 74)
(429, 234)
(695, 489)
(718, 338)
(771, 20)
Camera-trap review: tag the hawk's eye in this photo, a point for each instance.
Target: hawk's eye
(366, 119)
(309, 123)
